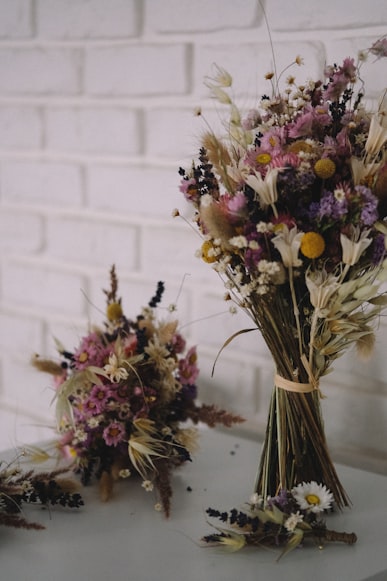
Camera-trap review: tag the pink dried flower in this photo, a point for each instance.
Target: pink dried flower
(234, 206)
(90, 352)
(114, 433)
(302, 127)
(99, 396)
(189, 189)
(285, 160)
(379, 48)
(274, 139)
(188, 369)
(339, 79)
(178, 343)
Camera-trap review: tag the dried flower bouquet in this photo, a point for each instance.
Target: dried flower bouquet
(291, 204)
(125, 399)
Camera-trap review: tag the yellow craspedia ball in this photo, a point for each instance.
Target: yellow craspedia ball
(114, 311)
(207, 252)
(312, 245)
(324, 168)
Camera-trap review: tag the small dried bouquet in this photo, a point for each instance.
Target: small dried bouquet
(126, 399)
(286, 520)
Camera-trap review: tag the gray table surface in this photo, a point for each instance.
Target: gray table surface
(127, 540)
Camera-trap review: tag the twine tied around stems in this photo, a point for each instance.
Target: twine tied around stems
(296, 386)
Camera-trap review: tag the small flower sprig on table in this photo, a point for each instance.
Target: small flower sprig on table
(19, 488)
(125, 397)
(286, 520)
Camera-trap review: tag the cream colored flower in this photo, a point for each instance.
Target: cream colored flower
(288, 243)
(238, 170)
(124, 473)
(93, 422)
(79, 436)
(147, 485)
(113, 369)
(256, 500)
(362, 170)
(377, 135)
(294, 519)
(354, 247)
(266, 188)
(239, 241)
(322, 286)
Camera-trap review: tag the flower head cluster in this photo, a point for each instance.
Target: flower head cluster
(123, 396)
(284, 520)
(298, 183)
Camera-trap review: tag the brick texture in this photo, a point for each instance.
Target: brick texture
(97, 103)
(21, 128)
(301, 15)
(92, 130)
(37, 71)
(15, 19)
(120, 70)
(82, 19)
(41, 183)
(203, 15)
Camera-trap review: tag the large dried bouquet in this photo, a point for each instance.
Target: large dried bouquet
(125, 399)
(291, 204)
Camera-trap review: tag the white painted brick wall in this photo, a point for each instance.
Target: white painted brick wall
(82, 19)
(46, 71)
(96, 115)
(21, 128)
(329, 15)
(91, 129)
(15, 19)
(107, 70)
(179, 16)
(40, 183)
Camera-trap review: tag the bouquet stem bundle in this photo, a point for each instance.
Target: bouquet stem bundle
(295, 446)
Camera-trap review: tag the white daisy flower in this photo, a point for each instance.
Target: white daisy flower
(313, 497)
